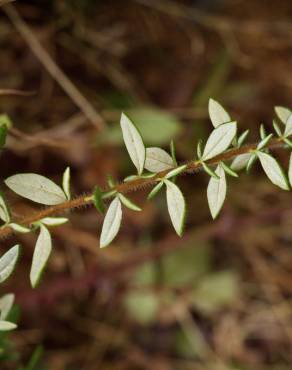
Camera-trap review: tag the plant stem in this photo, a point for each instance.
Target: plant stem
(130, 186)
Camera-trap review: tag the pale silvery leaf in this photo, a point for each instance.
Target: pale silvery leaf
(283, 113)
(216, 192)
(240, 162)
(36, 188)
(217, 113)
(273, 170)
(4, 212)
(290, 170)
(219, 140)
(128, 203)
(111, 223)
(19, 228)
(7, 325)
(6, 303)
(134, 143)
(176, 206)
(288, 127)
(66, 183)
(8, 262)
(41, 255)
(54, 221)
(157, 160)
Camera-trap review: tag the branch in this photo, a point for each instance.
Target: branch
(134, 185)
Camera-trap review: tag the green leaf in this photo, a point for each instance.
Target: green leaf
(263, 132)
(157, 160)
(242, 138)
(219, 140)
(155, 190)
(35, 359)
(283, 113)
(216, 291)
(176, 206)
(112, 222)
(209, 171)
(7, 325)
(142, 306)
(216, 192)
(176, 171)
(54, 221)
(5, 121)
(199, 149)
(4, 211)
(97, 199)
(173, 153)
(290, 170)
(134, 143)
(8, 262)
(66, 182)
(251, 162)
(240, 161)
(41, 254)
(288, 127)
(6, 303)
(228, 170)
(217, 113)
(128, 203)
(19, 228)
(264, 141)
(3, 135)
(277, 128)
(273, 170)
(36, 188)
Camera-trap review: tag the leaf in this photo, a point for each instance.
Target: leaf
(134, 143)
(288, 128)
(7, 325)
(41, 254)
(36, 188)
(217, 113)
(264, 141)
(216, 192)
(216, 291)
(228, 170)
(173, 153)
(66, 183)
(128, 203)
(176, 171)
(277, 128)
(111, 223)
(3, 135)
(157, 160)
(155, 190)
(240, 162)
(209, 171)
(8, 262)
(97, 199)
(157, 127)
(19, 228)
(273, 170)
(176, 206)
(290, 170)
(242, 138)
(4, 211)
(142, 306)
(6, 303)
(219, 140)
(54, 221)
(283, 113)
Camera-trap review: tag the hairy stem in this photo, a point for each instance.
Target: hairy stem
(134, 185)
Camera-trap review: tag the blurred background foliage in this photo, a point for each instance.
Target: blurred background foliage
(220, 297)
